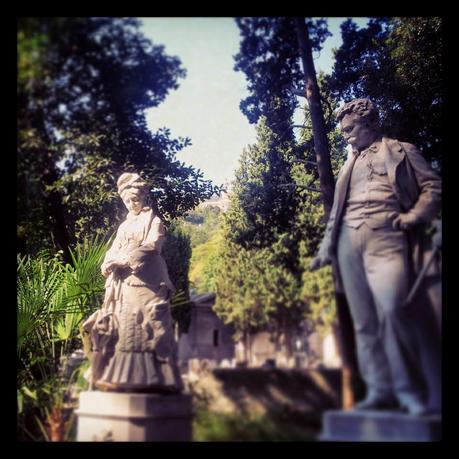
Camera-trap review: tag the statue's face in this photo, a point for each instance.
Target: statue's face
(356, 131)
(134, 201)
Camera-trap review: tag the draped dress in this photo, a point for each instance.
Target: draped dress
(132, 334)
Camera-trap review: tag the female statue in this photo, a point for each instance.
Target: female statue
(132, 335)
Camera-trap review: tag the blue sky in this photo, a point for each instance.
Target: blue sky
(205, 108)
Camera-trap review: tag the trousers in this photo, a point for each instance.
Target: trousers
(373, 265)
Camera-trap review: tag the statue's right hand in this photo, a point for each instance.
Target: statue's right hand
(318, 262)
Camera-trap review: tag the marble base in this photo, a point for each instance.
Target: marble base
(382, 426)
(113, 416)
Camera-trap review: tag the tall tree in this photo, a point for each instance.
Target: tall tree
(398, 63)
(269, 58)
(259, 274)
(264, 196)
(303, 36)
(83, 87)
(36, 156)
(312, 93)
(261, 266)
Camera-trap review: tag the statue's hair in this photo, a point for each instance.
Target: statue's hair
(364, 108)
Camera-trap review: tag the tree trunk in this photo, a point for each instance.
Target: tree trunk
(327, 186)
(327, 182)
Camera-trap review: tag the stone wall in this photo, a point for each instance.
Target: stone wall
(207, 338)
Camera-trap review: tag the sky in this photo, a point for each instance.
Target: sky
(205, 107)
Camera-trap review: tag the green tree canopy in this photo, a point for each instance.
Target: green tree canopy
(397, 62)
(83, 87)
(275, 219)
(269, 58)
(261, 273)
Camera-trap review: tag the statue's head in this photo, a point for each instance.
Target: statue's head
(359, 121)
(133, 191)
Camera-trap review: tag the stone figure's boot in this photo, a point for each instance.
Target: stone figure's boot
(413, 405)
(377, 402)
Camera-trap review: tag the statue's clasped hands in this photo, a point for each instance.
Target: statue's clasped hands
(111, 266)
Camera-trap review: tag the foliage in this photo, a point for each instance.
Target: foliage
(269, 57)
(275, 222)
(204, 264)
(258, 272)
(177, 253)
(202, 227)
(210, 426)
(309, 216)
(202, 223)
(319, 293)
(53, 298)
(267, 239)
(263, 198)
(83, 87)
(398, 63)
(256, 290)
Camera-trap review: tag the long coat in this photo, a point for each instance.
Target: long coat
(418, 190)
(416, 186)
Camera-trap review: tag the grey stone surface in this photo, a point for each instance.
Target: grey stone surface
(208, 337)
(115, 416)
(376, 239)
(132, 339)
(382, 426)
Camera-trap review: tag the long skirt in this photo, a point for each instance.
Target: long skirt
(145, 355)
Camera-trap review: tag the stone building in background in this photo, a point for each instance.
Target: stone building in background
(208, 338)
(210, 343)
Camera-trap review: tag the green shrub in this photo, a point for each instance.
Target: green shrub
(275, 426)
(53, 298)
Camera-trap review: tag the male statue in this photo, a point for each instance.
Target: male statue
(385, 194)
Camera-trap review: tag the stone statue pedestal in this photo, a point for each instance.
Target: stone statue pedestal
(116, 416)
(381, 426)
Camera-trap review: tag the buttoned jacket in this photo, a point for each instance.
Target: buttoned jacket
(416, 186)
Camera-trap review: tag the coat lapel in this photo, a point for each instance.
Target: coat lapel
(342, 186)
(393, 154)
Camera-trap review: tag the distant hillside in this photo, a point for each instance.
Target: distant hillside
(203, 222)
(222, 201)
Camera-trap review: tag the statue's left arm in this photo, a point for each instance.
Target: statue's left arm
(429, 200)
